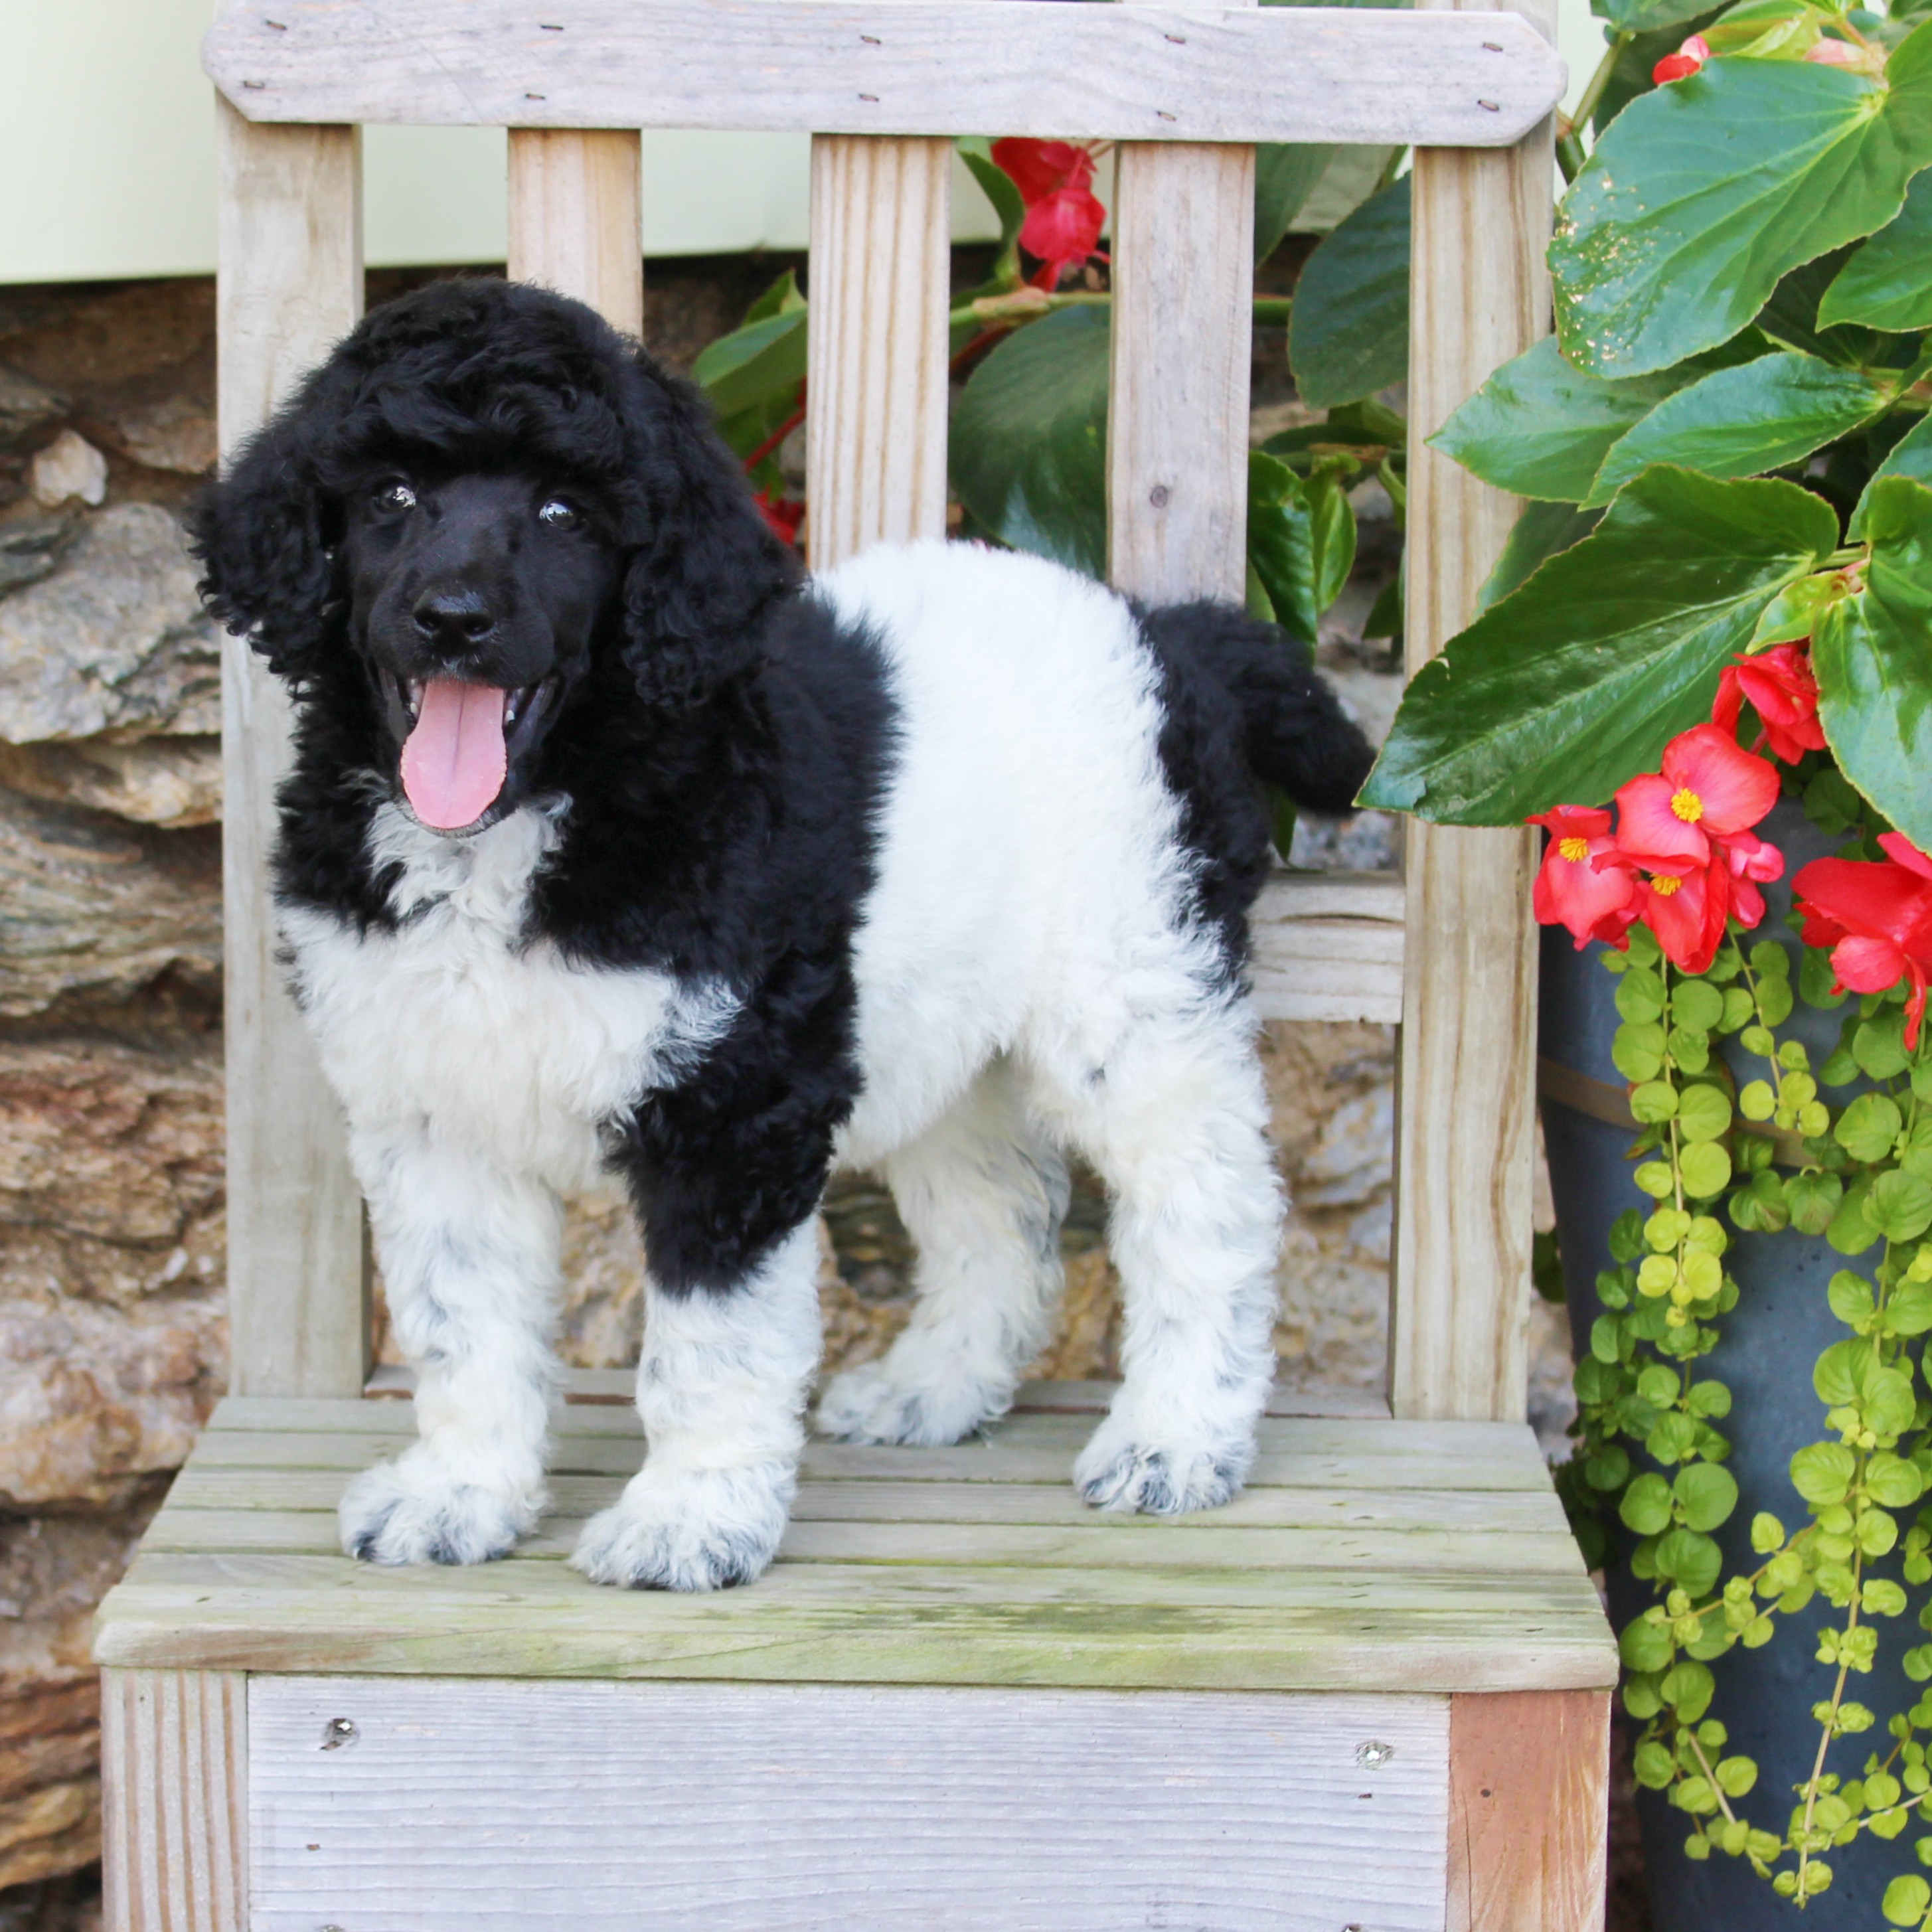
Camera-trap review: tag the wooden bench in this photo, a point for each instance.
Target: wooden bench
(1371, 1692)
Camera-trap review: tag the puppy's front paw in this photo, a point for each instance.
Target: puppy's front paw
(697, 1530)
(417, 1510)
(882, 1402)
(1124, 1468)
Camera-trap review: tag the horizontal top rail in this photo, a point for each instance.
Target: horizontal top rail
(1124, 72)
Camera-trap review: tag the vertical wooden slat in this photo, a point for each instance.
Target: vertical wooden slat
(289, 284)
(174, 1762)
(576, 218)
(875, 439)
(1529, 1811)
(1182, 254)
(1458, 1324)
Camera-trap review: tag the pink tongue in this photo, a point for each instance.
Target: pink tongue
(454, 763)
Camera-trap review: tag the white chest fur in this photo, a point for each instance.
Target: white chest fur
(456, 1021)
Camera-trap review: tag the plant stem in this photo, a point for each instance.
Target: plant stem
(1824, 1732)
(1704, 1765)
(1570, 155)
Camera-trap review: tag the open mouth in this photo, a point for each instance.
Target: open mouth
(462, 740)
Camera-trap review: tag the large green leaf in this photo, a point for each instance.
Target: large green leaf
(1348, 334)
(1874, 670)
(753, 364)
(1701, 195)
(1285, 174)
(1577, 681)
(1543, 531)
(1887, 283)
(1029, 441)
(1646, 16)
(1743, 421)
(1541, 427)
(1301, 538)
(1910, 456)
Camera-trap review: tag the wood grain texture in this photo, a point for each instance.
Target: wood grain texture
(1183, 257)
(881, 257)
(174, 1762)
(1465, 1133)
(1328, 946)
(1129, 72)
(1528, 1811)
(467, 1807)
(1365, 1554)
(576, 218)
(289, 286)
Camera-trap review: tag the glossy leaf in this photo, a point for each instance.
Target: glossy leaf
(1285, 174)
(1543, 531)
(1700, 196)
(1282, 544)
(1348, 333)
(999, 187)
(1558, 693)
(1644, 16)
(1743, 421)
(1910, 456)
(1887, 283)
(1029, 437)
(764, 359)
(1874, 671)
(1541, 427)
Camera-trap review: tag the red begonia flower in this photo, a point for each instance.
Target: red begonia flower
(1688, 912)
(783, 514)
(1707, 791)
(1835, 53)
(1784, 694)
(1688, 59)
(1063, 218)
(1876, 917)
(1570, 891)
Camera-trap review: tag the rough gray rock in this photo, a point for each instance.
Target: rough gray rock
(91, 906)
(26, 407)
(116, 639)
(30, 546)
(171, 782)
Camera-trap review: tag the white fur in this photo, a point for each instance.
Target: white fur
(1030, 976)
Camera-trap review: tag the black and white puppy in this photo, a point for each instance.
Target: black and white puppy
(612, 845)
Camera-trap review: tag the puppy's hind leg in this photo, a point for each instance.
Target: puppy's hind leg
(1175, 1125)
(469, 1259)
(983, 1192)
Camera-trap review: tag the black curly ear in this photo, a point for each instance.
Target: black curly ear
(698, 591)
(262, 534)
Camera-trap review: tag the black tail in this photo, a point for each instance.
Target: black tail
(1294, 733)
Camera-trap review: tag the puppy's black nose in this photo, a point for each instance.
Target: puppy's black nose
(453, 620)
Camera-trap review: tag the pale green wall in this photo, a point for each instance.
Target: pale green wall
(106, 159)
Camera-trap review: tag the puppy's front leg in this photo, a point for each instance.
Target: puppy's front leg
(720, 1388)
(468, 1257)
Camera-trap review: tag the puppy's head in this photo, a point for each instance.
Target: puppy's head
(482, 491)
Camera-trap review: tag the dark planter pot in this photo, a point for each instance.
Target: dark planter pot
(1771, 1339)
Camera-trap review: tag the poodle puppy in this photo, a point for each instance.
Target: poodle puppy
(612, 845)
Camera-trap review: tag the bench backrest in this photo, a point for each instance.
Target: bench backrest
(882, 86)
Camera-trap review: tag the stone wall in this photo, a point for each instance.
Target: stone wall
(112, 1325)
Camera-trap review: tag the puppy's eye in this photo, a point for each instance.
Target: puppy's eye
(556, 515)
(395, 497)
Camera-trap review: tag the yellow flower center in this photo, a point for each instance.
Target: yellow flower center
(1666, 886)
(1688, 805)
(1575, 850)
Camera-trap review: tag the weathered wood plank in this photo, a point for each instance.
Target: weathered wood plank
(1528, 1811)
(1328, 946)
(1183, 255)
(1115, 1544)
(175, 1758)
(881, 260)
(863, 1624)
(289, 285)
(1129, 72)
(576, 218)
(1459, 1326)
(1501, 1511)
(462, 1805)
